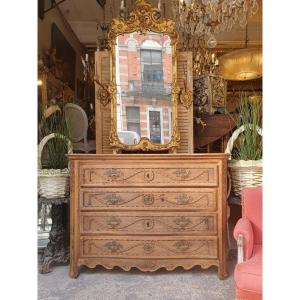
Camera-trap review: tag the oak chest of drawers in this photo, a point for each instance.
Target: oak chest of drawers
(148, 211)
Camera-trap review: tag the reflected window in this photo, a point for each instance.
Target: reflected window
(152, 71)
(155, 126)
(133, 119)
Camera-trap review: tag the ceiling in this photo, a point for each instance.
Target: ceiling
(83, 16)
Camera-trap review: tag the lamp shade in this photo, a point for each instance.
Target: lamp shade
(245, 64)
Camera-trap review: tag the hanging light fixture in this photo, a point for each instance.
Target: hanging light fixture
(202, 19)
(245, 64)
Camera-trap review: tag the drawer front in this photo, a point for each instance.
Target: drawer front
(183, 175)
(148, 223)
(149, 247)
(154, 198)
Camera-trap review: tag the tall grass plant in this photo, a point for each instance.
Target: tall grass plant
(55, 149)
(250, 142)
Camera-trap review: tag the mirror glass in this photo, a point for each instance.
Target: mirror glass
(144, 77)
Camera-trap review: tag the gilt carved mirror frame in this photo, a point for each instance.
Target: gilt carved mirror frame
(143, 19)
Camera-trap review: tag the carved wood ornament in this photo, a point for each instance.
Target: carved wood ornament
(144, 18)
(186, 96)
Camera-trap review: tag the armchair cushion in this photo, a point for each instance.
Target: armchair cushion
(244, 227)
(248, 275)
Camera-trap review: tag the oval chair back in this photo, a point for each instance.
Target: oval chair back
(77, 122)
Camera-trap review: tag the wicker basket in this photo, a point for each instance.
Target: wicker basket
(243, 173)
(53, 183)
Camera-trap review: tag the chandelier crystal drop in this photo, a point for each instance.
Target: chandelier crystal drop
(202, 19)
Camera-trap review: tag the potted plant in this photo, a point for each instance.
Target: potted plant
(53, 179)
(245, 162)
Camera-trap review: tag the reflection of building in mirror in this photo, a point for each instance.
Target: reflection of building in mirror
(128, 137)
(144, 78)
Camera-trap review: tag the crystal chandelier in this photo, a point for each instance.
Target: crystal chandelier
(200, 20)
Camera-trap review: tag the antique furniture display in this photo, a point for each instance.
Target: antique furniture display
(216, 130)
(143, 87)
(57, 250)
(53, 88)
(248, 233)
(77, 122)
(148, 211)
(210, 93)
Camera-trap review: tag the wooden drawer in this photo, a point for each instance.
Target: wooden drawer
(145, 199)
(149, 247)
(148, 223)
(180, 175)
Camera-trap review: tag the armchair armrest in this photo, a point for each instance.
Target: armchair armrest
(243, 233)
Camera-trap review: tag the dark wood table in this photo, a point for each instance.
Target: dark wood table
(217, 128)
(57, 249)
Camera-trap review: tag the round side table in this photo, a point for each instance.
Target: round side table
(57, 249)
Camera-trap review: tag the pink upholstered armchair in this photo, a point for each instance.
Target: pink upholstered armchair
(248, 233)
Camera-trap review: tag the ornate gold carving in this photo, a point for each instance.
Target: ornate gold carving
(219, 92)
(103, 94)
(186, 96)
(210, 94)
(144, 18)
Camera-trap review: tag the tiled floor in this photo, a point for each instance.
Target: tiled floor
(101, 284)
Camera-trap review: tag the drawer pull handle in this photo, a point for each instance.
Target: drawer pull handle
(113, 174)
(182, 199)
(182, 222)
(183, 173)
(113, 222)
(148, 248)
(183, 246)
(148, 199)
(113, 246)
(113, 199)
